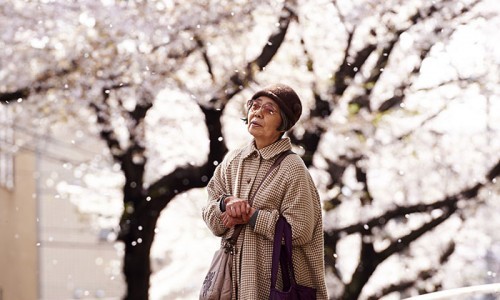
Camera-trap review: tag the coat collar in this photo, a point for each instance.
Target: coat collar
(267, 152)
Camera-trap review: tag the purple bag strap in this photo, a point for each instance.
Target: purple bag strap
(282, 254)
(237, 230)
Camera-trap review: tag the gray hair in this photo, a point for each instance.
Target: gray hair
(285, 123)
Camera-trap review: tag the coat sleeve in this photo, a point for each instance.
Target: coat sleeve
(217, 186)
(299, 207)
(299, 204)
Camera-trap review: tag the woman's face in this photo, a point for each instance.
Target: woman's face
(264, 119)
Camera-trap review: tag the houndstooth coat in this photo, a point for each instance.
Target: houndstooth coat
(288, 190)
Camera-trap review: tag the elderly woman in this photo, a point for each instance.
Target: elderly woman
(288, 191)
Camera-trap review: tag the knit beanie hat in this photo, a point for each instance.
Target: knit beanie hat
(287, 99)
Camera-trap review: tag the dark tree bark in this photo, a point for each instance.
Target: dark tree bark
(143, 206)
(343, 77)
(42, 83)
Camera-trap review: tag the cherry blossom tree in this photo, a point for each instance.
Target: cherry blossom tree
(380, 80)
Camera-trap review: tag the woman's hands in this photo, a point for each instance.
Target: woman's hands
(238, 211)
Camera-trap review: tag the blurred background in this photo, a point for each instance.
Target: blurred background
(115, 113)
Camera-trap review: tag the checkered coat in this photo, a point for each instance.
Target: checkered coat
(288, 190)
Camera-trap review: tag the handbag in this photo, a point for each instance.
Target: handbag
(218, 281)
(282, 254)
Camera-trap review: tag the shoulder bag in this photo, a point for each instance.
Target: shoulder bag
(282, 254)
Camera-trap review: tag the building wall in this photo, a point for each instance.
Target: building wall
(75, 263)
(18, 233)
(48, 249)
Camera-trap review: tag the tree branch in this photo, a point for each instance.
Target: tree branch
(184, 178)
(188, 177)
(348, 69)
(14, 96)
(106, 130)
(38, 84)
(239, 80)
(400, 94)
(206, 59)
(402, 211)
(310, 139)
(422, 276)
(370, 259)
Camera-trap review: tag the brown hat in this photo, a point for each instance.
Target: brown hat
(287, 99)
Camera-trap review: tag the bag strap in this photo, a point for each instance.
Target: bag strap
(282, 254)
(237, 230)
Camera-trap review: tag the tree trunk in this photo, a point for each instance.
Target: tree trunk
(136, 263)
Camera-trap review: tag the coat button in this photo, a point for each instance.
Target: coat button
(248, 180)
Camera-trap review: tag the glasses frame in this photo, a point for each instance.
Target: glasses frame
(267, 108)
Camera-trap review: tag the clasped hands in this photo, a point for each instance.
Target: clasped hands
(238, 211)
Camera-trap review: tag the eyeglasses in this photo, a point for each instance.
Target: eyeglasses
(267, 108)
